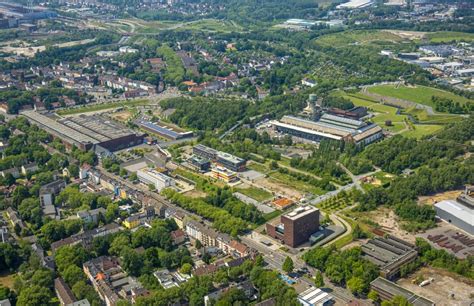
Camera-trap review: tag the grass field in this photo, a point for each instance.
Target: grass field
(418, 94)
(422, 116)
(421, 130)
(211, 25)
(446, 37)
(258, 167)
(103, 106)
(255, 193)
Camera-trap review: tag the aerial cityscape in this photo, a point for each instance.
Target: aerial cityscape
(237, 152)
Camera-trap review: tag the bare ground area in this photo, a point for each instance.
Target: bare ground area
(121, 116)
(6, 280)
(411, 35)
(433, 199)
(444, 284)
(278, 188)
(195, 194)
(387, 219)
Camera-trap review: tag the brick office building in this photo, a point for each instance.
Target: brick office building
(296, 227)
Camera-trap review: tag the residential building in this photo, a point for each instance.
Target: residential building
(63, 292)
(178, 236)
(296, 227)
(13, 171)
(91, 216)
(29, 168)
(86, 237)
(110, 281)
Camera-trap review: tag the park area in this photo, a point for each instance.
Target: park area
(396, 120)
(418, 94)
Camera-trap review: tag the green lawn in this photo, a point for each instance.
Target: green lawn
(446, 37)
(255, 193)
(103, 106)
(419, 94)
(211, 25)
(257, 167)
(421, 130)
(422, 116)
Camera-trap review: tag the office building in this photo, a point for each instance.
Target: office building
(155, 178)
(389, 254)
(459, 212)
(296, 227)
(224, 174)
(87, 132)
(223, 159)
(387, 290)
(199, 164)
(330, 127)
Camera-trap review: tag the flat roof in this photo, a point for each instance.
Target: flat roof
(395, 289)
(164, 130)
(300, 212)
(81, 129)
(305, 130)
(314, 296)
(458, 210)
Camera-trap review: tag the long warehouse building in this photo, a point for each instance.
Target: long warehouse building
(330, 127)
(87, 132)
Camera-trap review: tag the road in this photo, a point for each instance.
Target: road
(275, 260)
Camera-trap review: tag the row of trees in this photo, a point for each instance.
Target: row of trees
(222, 220)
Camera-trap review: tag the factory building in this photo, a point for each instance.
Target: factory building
(222, 159)
(157, 179)
(330, 127)
(459, 212)
(389, 254)
(87, 132)
(164, 130)
(387, 290)
(296, 227)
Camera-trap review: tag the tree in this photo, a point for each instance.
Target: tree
(373, 295)
(34, 296)
(186, 268)
(288, 265)
(198, 244)
(72, 274)
(319, 280)
(356, 285)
